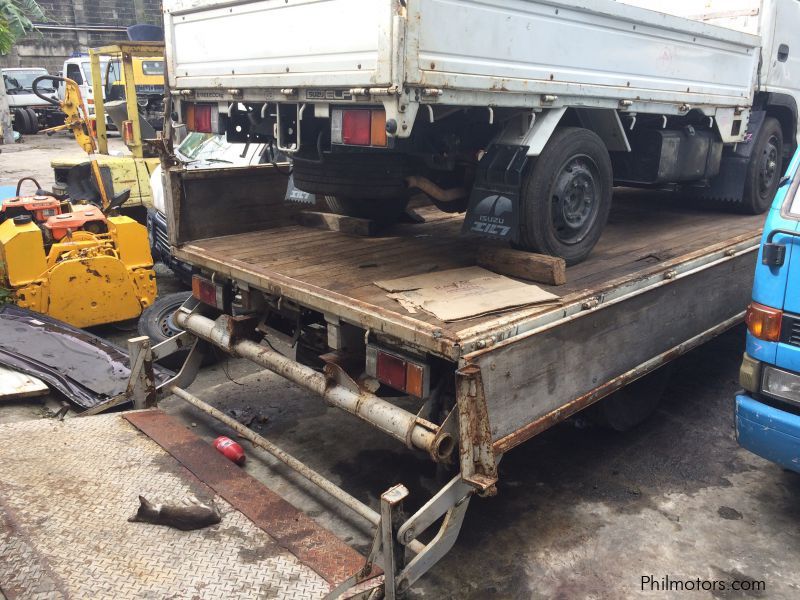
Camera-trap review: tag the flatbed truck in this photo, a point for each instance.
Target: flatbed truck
(666, 275)
(665, 278)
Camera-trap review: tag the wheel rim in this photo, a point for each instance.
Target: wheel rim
(768, 169)
(166, 323)
(575, 199)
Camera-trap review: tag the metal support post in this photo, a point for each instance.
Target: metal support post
(478, 462)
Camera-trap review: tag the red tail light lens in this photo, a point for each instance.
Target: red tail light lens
(200, 117)
(399, 372)
(764, 322)
(392, 371)
(359, 127)
(213, 294)
(356, 127)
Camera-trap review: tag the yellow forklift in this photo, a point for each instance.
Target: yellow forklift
(128, 90)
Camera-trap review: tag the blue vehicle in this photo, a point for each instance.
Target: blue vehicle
(768, 409)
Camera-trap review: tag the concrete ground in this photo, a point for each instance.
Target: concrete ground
(581, 512)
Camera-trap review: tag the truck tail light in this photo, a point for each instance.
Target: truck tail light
(200, 117)
(359, 127)
(398, 372)
(764, 322)
(213, 294)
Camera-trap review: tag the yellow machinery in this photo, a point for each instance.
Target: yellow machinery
(132, 172)
(73, 262)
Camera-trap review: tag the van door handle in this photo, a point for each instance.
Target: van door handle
(783, 53)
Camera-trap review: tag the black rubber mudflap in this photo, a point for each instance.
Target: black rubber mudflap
(494, 205)
(728, 186)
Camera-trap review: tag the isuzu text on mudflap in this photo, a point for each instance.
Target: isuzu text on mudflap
(521, 113)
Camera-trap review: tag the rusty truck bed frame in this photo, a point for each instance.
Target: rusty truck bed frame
(666, 277)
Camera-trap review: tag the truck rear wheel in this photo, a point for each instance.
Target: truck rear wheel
(633, 404)
(33, 121)
(566, 196)
(386, 211)
(764, 169)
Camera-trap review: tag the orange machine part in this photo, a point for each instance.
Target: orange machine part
(60, 225)
(40, 207)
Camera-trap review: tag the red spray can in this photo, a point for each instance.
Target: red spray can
(230, 449)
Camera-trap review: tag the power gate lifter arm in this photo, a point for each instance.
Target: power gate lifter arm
(76, 121)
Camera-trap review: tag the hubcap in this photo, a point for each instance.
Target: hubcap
(575, 199)
(768, 171)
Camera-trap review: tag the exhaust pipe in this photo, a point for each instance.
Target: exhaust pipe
(425, 185)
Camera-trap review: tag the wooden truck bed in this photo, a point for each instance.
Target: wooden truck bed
(333, 272)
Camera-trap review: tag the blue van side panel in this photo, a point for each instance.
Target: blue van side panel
(768, 432)
(770, 285)
(761, 350)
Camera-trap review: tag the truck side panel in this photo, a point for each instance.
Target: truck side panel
(592, 49)
(525, 380)
(272, 44)
(549, 47)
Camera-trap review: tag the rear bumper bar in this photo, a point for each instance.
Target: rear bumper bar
(333, 385)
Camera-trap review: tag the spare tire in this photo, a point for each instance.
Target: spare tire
(157, 323)
(358, 175)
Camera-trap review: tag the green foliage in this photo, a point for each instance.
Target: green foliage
(16, 19)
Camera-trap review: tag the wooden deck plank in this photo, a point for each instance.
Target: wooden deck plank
(644, 231)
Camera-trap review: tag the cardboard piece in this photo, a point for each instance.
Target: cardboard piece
(463, 293)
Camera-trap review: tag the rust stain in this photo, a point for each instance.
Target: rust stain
(293, 530)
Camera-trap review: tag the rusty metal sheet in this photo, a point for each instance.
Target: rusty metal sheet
(313, 545)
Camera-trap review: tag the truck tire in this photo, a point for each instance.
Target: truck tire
(358, 175)
(156, 322)
(385, 211)
(632, 405)
(764, 169)
(566, 196)
(33, 120)
(21, 120)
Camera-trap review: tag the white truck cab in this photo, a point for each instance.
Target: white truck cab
(79, 69)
